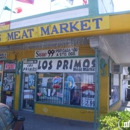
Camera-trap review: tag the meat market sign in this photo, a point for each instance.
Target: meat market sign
(57, 52)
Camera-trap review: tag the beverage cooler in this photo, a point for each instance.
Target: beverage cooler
(8, 85)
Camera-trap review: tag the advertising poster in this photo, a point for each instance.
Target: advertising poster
(9, 100)
(8, 84)
(31, 80)
(57, 52)
(88, 95)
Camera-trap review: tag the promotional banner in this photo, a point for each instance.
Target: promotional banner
(57, 52)
(60, 65)
(67, 65)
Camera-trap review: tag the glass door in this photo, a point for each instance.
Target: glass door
(28, 91)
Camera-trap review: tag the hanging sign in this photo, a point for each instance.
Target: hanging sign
(67, 65)
(57, 52)
(30, 66)
(3, 55)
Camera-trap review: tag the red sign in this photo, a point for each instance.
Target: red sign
(10, 66)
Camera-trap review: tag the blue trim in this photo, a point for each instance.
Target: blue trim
(20, 89)
(96, 89)
(99, 87)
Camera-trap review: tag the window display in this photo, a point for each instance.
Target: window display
(66, 88)
(8, 88)
(50, 88)
(8, 84)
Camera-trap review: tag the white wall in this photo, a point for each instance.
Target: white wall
(105, 6)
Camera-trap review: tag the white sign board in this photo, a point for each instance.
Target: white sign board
(30, 66)
(57, 52)
(67, 65)
(3, 55)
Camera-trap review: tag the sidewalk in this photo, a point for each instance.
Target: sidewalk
(125, 106)
(41, 122)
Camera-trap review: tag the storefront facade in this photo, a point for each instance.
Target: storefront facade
(59, 73)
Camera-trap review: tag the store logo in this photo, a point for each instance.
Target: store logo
(122, 124)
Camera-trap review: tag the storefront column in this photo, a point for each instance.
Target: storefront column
(94, 43)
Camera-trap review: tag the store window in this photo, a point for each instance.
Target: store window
(50, 88)
(114, 88)
(66, 89)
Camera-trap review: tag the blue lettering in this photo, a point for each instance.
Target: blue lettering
(30, 31)
(10, 36)
(73, 27)
(84, 25)
(16, 36)
(24, 34)
(63, 27)
(46, 32)
(97, 22)
(54, 30)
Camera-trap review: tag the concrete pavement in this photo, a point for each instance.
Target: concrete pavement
(41, 122)
(125, 106)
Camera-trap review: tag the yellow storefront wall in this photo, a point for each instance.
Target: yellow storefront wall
(32, 34)
(65, 112)
(68, 112)
(83, 114)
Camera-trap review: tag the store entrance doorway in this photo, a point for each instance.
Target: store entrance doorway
(28, 93)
